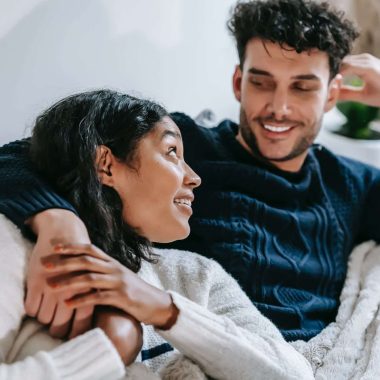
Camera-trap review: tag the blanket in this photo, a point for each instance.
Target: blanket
(348, 348)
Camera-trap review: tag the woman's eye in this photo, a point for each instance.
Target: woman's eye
(172, 151)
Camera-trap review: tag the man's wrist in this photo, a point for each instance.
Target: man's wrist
(56, 220)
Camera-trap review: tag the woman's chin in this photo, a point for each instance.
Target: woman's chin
(178, 234)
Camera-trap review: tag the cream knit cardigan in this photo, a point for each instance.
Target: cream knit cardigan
(218, 328)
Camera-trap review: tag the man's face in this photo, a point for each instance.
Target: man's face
(283, 97)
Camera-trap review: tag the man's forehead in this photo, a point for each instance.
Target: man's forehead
(270, 56)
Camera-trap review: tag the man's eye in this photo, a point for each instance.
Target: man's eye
(301, 87)
(262, 84)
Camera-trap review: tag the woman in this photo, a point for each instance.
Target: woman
(119, 161)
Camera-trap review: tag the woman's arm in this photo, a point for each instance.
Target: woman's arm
(89, 356)
(72, 360)
(229, 339)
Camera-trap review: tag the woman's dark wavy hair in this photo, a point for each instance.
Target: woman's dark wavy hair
(63, 148)
(300, 24)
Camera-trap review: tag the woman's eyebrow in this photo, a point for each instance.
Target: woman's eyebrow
(168, 132)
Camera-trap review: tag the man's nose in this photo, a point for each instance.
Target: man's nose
(279, 104)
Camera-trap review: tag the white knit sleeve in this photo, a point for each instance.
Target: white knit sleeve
(90, 356)
(230, 338)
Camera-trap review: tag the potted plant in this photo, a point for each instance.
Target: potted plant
(358, 121)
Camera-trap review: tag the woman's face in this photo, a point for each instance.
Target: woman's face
(158, 191)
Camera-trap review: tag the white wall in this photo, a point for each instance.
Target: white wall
(175, 51)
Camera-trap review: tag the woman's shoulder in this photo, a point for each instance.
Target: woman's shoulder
(185, 272)
(182, 261)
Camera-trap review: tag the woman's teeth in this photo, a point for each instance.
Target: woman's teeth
(183, 202)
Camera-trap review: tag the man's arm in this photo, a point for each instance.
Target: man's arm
(28, 200)
(24, 193)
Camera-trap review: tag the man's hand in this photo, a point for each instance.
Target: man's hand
(52, 226)
(123, 330)
(367, 67)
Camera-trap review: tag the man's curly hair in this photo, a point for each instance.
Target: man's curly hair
(301, 25)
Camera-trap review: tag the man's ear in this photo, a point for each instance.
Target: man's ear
(333, 92)
(236, 82)
(104, 165)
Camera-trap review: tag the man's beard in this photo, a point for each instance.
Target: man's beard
(300, 147)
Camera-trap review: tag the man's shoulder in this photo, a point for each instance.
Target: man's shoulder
(203, 142)
(187, 124)
(332, 164)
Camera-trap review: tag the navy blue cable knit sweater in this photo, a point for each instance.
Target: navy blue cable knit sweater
(285, 236)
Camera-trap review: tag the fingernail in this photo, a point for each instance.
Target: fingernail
(58, 247)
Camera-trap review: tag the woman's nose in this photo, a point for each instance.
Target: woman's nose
(191, 178)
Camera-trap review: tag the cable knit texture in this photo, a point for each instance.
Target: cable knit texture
(285, 236)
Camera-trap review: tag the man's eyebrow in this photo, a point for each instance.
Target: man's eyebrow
(254, 70)
(168, 132)
(307, 77)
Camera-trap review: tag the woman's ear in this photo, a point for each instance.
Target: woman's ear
(104, 165)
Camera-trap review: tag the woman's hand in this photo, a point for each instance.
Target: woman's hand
(43, 304)
(124, 331)
(97, 279)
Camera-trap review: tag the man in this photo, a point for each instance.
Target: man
(280, 214)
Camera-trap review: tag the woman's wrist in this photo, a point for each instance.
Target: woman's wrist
(171, 318)
(167, 316)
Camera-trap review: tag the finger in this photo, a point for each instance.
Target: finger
(82, 321)
(78, 249)
(32, 302)
(101, 297)
(47, 309)
(64, 264)
(347, 93)
(61, 323)
(82, 282)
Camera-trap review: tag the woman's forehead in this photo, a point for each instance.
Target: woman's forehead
(166, 127)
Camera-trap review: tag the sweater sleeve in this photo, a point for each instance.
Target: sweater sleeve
(230, 338)
(89, 356)
(23, 192)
